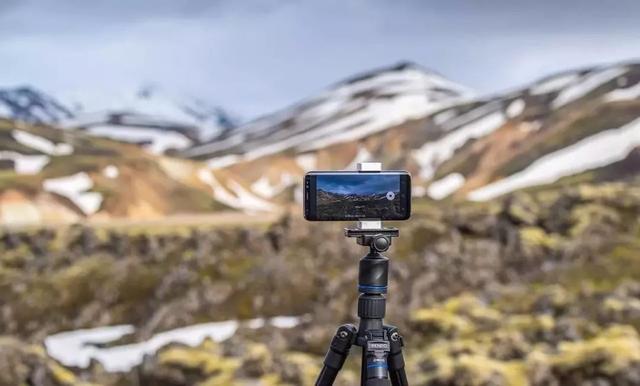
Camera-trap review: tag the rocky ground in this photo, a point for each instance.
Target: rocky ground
(538, 288)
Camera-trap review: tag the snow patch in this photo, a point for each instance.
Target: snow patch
(624, 94)
(111, 171)
(236, 197)
(433, 154)
(592, 152)
(587, 84)
(77, 348)
(220, 194)
(249, 201)
(445, 186)
(515, 108)
(26, 164)
(418, 191)
(41, 144)
(155, 140)
(375, 117)
(307, 161)
(264, 188)
(284, 322)
(75, 187)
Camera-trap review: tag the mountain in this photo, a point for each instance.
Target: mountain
(157, 120)
(453, 143)
(351, 110)
(577, 126)
(30, 105)
(149, 117)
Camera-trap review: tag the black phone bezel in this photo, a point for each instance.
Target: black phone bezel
(310, 212)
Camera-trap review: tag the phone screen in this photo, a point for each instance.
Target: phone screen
(335, 196)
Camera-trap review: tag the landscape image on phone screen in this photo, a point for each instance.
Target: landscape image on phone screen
(358, 196)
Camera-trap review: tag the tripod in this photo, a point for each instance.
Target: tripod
(382, 360)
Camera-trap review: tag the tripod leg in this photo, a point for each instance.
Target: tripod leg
(337, 354)
(395, 360)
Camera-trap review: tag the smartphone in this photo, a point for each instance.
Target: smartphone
(351, 195)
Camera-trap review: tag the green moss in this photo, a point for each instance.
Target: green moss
(305, 368)
(583, 216)
(17, 257)
(467, 362)
(611, 351)
(438, 321)
(80, 283)
(534, 238)
(533, 326)
(458, 316)
(605, 274)
(204, 359)
(62, 375)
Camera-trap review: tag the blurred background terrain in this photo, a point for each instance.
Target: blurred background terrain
(154, 236)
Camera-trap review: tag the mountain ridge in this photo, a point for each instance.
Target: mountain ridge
(507, 133)
(454, 144)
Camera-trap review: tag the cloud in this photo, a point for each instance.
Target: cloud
(259, 55)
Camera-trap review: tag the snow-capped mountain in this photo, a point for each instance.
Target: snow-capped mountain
(29, 105)
(557, 127)
(149, 117)
(353, 109)
(156, 120)
(579, 125)
(452, 143)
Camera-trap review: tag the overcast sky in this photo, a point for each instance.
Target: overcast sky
(256, 56)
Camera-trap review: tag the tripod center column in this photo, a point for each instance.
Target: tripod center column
(372, 286)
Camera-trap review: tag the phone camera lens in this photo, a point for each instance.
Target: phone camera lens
(391, 196)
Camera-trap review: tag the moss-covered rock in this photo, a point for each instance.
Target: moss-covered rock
(23, 364)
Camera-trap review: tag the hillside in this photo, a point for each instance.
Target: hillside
(451, 142)
(49, 175)
(579, 124)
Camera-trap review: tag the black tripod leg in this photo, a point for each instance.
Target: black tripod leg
(395, 360)
(337, 354)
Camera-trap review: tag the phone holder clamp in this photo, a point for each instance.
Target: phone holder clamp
(378, 240)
